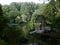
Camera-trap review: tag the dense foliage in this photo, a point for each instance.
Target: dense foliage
(17, 20)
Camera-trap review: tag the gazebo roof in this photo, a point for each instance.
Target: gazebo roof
(40, 18)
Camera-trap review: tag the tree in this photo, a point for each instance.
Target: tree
(3, 21)
(3, 25)
(52, 14)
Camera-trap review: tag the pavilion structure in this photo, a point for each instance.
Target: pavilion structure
(40, 24)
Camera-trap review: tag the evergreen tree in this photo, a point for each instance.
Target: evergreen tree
(3, 21)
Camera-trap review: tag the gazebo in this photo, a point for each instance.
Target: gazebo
(39, 24)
